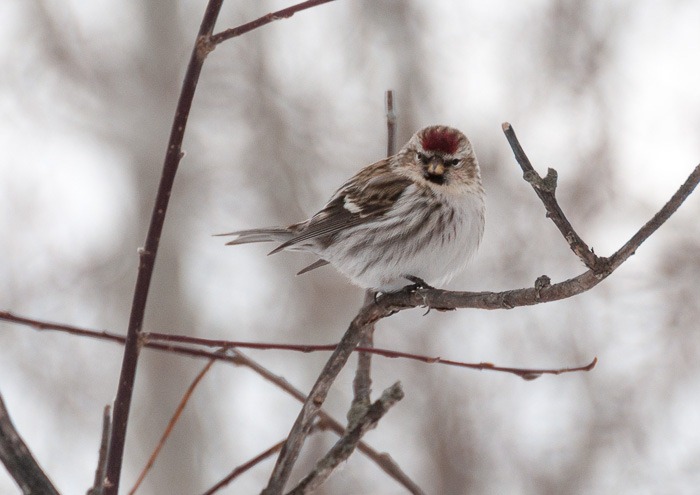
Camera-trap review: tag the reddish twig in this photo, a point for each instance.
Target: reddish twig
(383, 461)
(171, 424)
(389, 353)
(245, 467)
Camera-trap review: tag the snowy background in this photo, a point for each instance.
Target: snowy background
(608, 93)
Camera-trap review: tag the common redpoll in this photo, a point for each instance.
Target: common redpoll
(417, 215)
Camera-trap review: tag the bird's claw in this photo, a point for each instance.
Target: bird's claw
(418, 283)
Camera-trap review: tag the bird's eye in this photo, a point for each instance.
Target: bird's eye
(456, 163)
(422, 157)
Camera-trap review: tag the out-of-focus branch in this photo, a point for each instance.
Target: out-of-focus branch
(245, 467)
(390, 124)
(19, 461)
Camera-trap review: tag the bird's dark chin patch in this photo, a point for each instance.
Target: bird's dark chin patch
(434, 178)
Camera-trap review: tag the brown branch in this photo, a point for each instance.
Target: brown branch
(319, 425)
(630, 247)
(345, 446)
(102, 456)
(290, 451)
(285, 13)
(147, 254)
(19, 461)
(171, 425)
(245, 467)
(236, 358)
(204, 44)
(543, 291)
(545, 189)
(389, 353)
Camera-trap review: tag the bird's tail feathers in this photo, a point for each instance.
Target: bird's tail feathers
(276, 234)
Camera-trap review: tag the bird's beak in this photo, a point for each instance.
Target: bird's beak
(436, 167)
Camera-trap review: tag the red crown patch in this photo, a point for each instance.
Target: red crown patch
(440, 139)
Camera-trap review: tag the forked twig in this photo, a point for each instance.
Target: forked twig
(232, 356)
(204, 44)
(347, 443)
(543, 291)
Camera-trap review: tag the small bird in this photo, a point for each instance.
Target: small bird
(416, 216)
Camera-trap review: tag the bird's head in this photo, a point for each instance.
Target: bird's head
(442, 156)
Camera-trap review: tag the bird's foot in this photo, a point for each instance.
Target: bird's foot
(418, 283)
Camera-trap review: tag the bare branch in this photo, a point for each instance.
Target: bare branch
(285, 13)
(102, 456)
(19, 461)
(629, 248)
(245, 467)
(362, 384)
(368, 314)
(545, 189)
(384, 461)
(345, 446)
(171, 424)
(147, 254)
(390, 124)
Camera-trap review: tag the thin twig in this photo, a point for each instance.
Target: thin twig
(390, 124)
(318, 426)
(629, 248)
(285, 13)
(147, 254)
(245, 467)
(204, 44)
(97, 486)
(171, 424)
(317, 395)
(345, 446)
(236, 358)
(163, 342)
(362, 384)
(545, 189)
(19, 461)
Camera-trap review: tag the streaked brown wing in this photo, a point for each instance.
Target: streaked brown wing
(368, 195)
